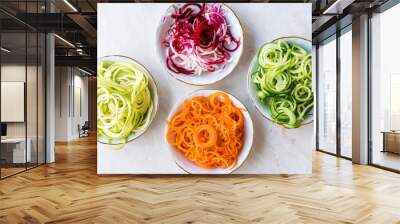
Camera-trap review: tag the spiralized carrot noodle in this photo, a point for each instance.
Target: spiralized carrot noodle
(208, 131)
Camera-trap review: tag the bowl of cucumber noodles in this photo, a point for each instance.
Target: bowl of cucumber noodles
(280, 81)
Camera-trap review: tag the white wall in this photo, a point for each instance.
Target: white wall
(70, 81)
(33, 127)
(81, 114)
(61, 103)
(12, 73)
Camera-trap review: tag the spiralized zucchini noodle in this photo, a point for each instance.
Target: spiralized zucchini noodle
(124, 101)
(199, 40)
(284, 80)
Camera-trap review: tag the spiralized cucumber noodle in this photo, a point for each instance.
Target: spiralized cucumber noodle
(199, 40)
(284, 80)
(124, 101)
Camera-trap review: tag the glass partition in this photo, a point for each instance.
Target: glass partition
(22, 101)
(32, 98)
(14, 153)
(41, 97)
(327, 96)
(32, 87)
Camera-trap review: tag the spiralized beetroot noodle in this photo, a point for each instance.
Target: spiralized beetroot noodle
(199, 39)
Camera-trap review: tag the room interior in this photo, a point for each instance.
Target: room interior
(48, 148)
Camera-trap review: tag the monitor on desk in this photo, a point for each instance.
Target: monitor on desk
(3, 130)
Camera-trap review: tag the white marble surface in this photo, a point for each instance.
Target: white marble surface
(130, 29)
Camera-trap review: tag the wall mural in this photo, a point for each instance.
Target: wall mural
(204, 88)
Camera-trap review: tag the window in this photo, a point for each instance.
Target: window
(327, 96)
(334, 106)
(346, 92)
(385, 89)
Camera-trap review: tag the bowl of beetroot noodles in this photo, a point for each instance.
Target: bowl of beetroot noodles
(199, 43)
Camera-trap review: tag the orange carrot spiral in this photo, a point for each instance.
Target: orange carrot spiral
(208, 131)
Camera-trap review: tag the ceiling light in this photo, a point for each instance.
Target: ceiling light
(64, 40)
(79, 51)
(5, 50)
(70, 5)
(338, 6)
(326, 11)
(84, 71)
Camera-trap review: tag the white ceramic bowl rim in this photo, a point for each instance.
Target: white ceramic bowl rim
(265, 112)
(192, 168)
(206, 77)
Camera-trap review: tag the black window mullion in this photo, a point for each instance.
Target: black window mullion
(45, 93)
(316, 96)
(338, 73)
(25, 88)
(369, 94)
(37, 90)
(73, 92)
(0, 98)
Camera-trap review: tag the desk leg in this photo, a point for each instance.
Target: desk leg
(384, 142)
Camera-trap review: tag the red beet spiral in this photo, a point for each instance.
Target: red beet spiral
(199, 40)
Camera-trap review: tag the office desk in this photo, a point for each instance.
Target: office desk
(18, 149)
(391, 141)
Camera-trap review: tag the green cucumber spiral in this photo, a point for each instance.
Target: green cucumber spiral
(284, 80)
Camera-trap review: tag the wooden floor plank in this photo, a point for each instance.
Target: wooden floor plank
(70, 191)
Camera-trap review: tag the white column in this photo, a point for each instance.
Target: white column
(360, 90)
(50, 99)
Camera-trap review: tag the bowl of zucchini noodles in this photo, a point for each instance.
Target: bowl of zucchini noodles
(127, 99)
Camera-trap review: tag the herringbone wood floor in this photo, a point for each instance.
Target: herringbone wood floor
(69, 191)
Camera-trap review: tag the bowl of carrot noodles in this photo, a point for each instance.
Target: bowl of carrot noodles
(209, 132)
(199, 43)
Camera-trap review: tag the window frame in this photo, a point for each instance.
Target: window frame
(334, 37)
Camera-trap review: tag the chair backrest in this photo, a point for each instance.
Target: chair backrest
(86, 125)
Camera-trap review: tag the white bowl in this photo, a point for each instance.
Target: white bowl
(206, 77)
(153, 92)
(252, 87)
(192, 168)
